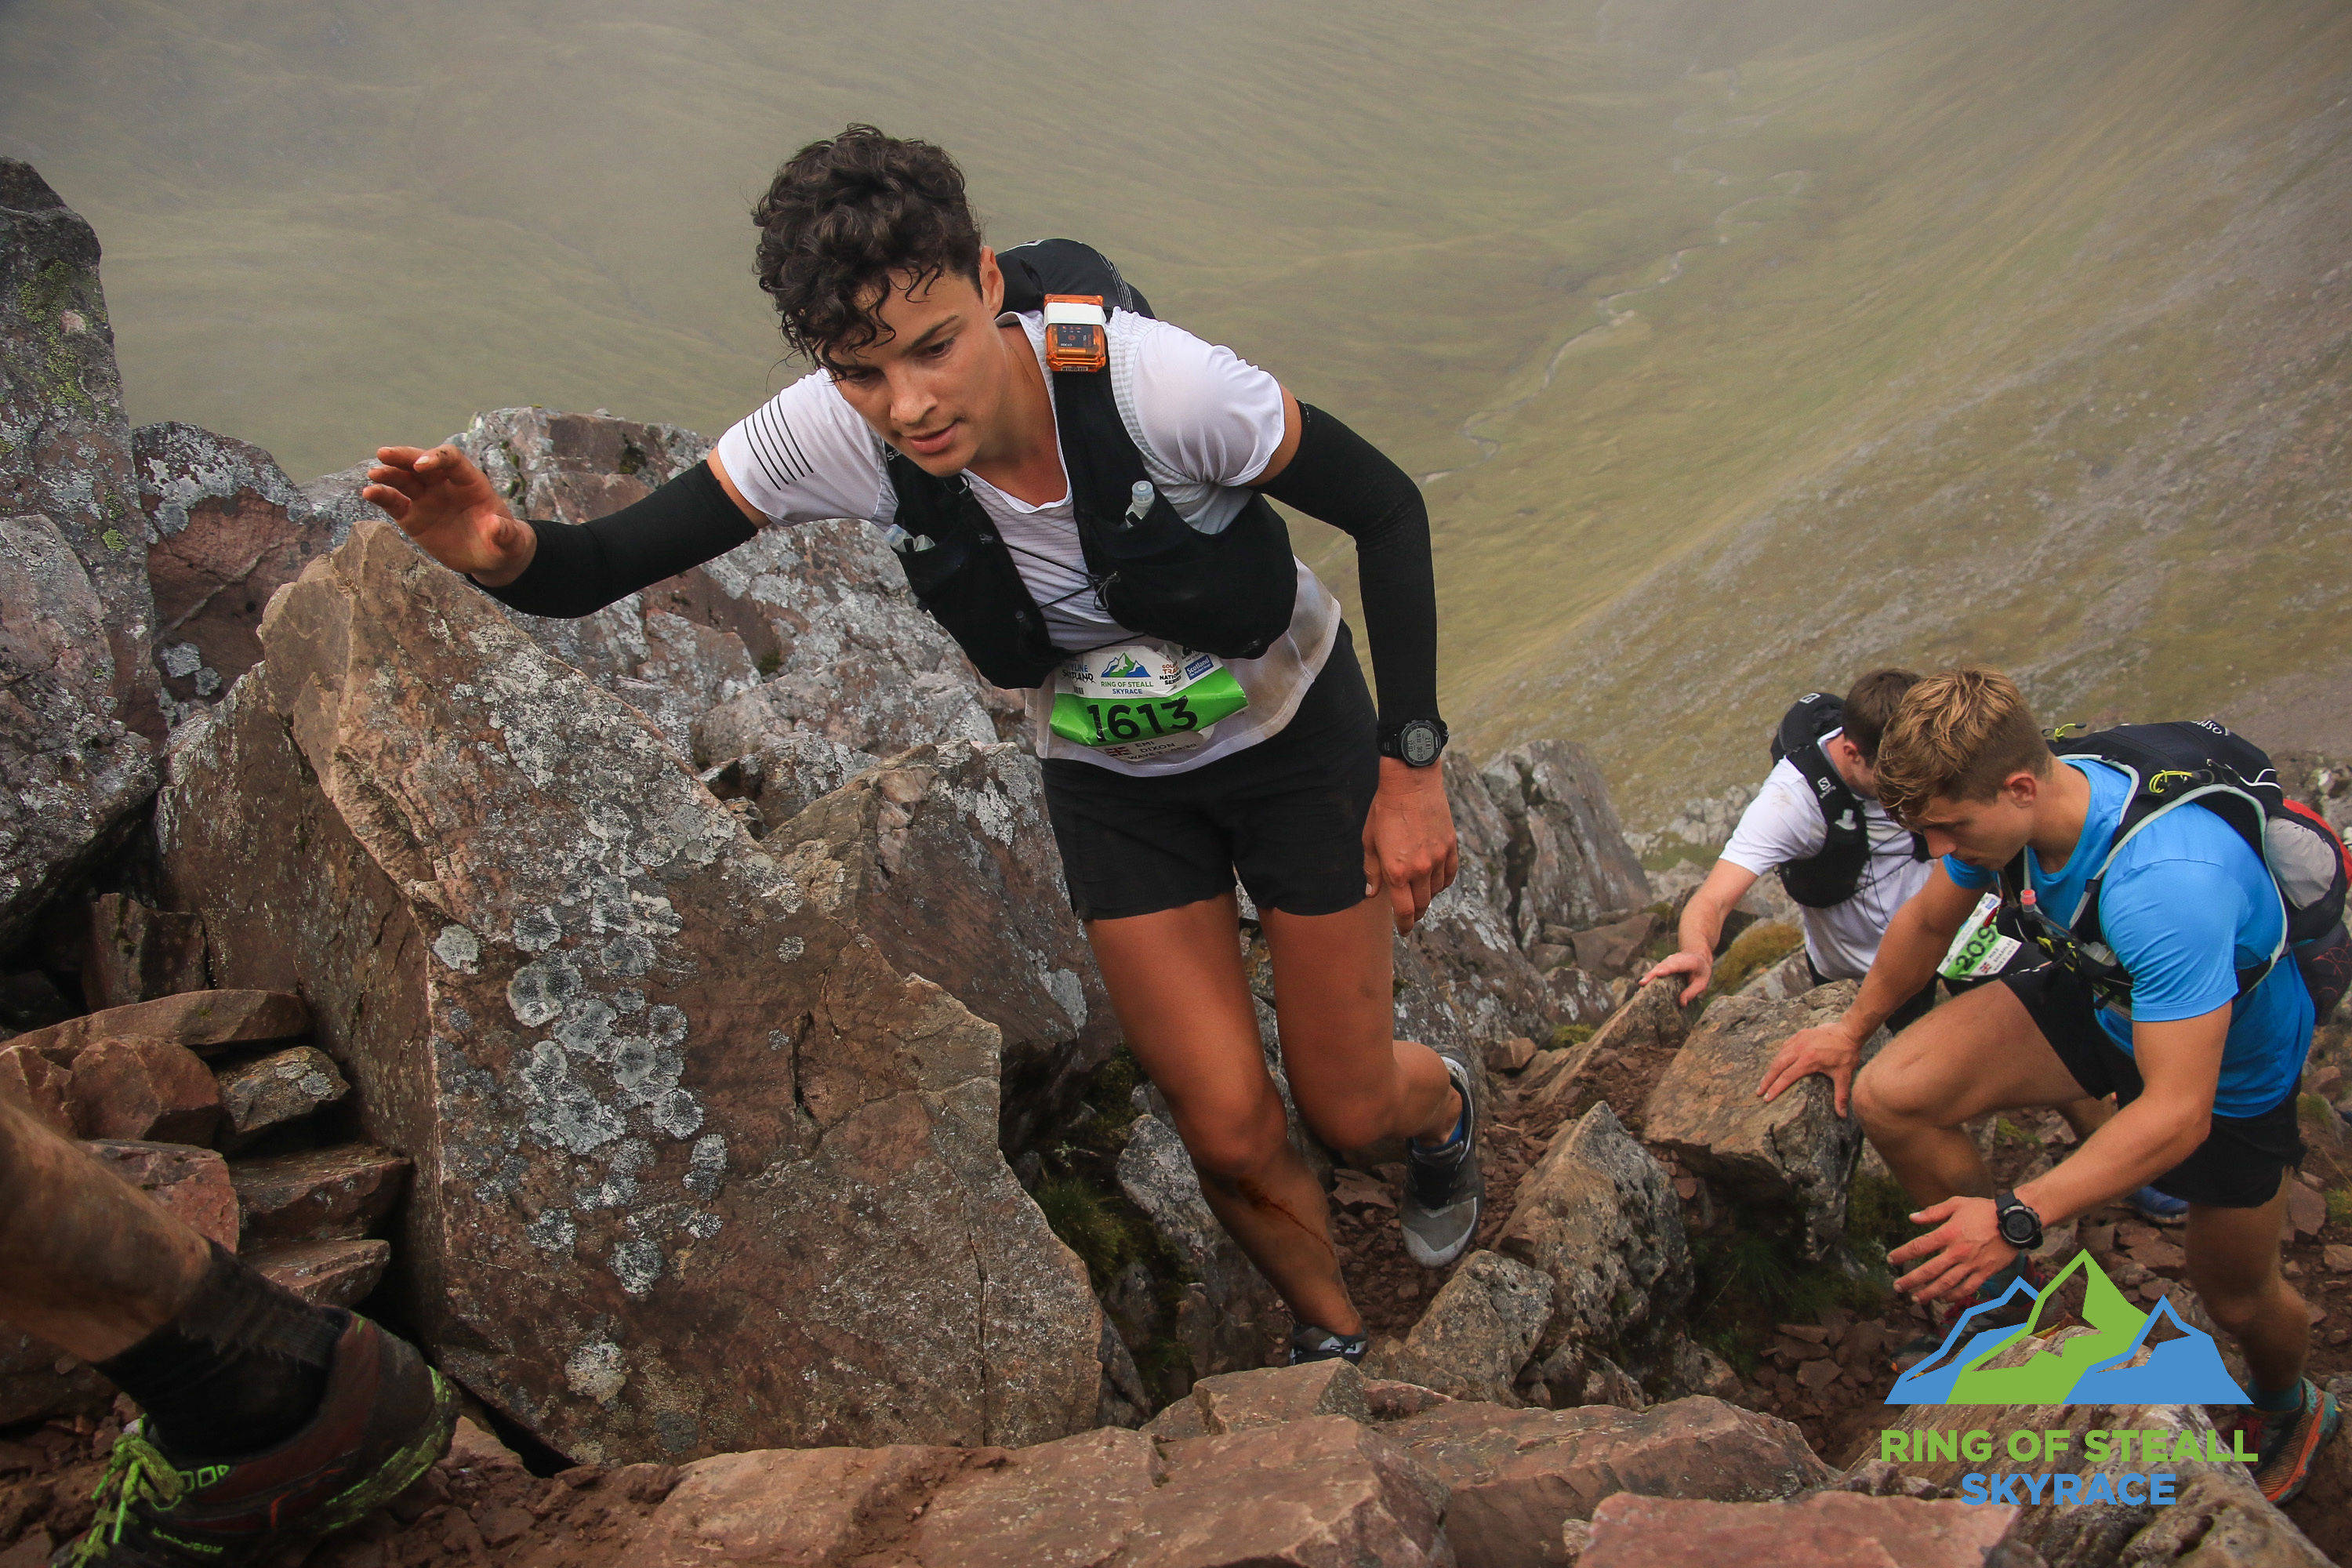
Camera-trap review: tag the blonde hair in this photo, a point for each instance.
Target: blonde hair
(1957, 734)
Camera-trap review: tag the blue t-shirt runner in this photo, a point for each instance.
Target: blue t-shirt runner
(2184, 906)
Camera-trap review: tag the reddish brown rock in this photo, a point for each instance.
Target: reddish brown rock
(200, 1020)
(227, 530)
(644, 1080)
(1326, 1491)
(943, 856)
(1274, 1396)
(1612, 948)
(194, 1184)
(133, 954)
(1515, 1475)
(1794, 1153)
(146, 1089)
(39, 1085)
(812, 1506)
(1076, 1502)
(284, 1086)
(78, 715)
(318, 1194)
(326, 1273)
(1830, 1530)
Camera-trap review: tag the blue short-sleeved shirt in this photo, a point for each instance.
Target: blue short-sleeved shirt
(2184, 906)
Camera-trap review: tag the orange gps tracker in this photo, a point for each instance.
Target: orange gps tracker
(1075, 338)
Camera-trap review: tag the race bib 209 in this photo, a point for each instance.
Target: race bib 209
(1141, 700)
(1979, 950)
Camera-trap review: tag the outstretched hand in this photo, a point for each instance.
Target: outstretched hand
(1699, 966)
(1962, 1252)
(1409, 843)
(446, 505)
(1827, 1049)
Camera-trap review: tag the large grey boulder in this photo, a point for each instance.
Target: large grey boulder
(78, 705)
(1792, 1156)
(1600, 1217)
(694, 1164)
(943, 857)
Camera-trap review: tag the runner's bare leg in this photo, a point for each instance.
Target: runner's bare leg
(87, 1261)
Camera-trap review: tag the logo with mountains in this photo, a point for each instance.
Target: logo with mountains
(2122, 1362)
(1122, 663)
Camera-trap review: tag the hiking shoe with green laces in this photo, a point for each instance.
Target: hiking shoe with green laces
(2291, 1439)
(386, 1418)
(1442, 1186)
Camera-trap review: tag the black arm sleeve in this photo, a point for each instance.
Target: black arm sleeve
(1343, 479)
(579, 570)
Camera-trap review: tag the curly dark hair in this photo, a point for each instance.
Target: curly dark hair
(843, 219)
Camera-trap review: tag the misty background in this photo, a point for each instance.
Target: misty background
(1742, 343)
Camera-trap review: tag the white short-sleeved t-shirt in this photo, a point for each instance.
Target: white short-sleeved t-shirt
(1206, 421)
(1783, 822)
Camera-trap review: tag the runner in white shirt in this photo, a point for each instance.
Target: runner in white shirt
(1786, 829)
(1197, 702)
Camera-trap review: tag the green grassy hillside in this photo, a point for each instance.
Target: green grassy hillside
(2035, 353)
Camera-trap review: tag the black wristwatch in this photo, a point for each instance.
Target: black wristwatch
(2020, 1226)
(1416, 742)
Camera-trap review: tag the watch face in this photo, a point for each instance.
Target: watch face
(1419, 742)
(2017, 1226)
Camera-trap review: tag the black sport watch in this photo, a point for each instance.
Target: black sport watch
(1416, 742)
(2020, 1226)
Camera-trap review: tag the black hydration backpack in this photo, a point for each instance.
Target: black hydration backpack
(1830, 876)
(2201, 763)
(1230, 594)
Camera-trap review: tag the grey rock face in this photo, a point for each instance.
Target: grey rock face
(1568, 862)
(226, 528)
(1793, 1154)
(1475, 1335)
(860, 663)
(65, 445)
(736, 1147)
(1600, 1217)
(71, 772)
(788, 773)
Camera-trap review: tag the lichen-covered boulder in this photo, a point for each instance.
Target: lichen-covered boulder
(694, 1164)
(943, 856)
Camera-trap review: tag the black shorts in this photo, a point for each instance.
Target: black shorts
(1287, 814)
(2241, 1162)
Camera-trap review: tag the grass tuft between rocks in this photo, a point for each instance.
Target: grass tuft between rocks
(1750, 1274)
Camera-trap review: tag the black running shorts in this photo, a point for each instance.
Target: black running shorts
(1287, 814)
(2242, 1158)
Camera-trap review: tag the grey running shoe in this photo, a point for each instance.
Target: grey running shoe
(1309, 1344)
(1443, 1189)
